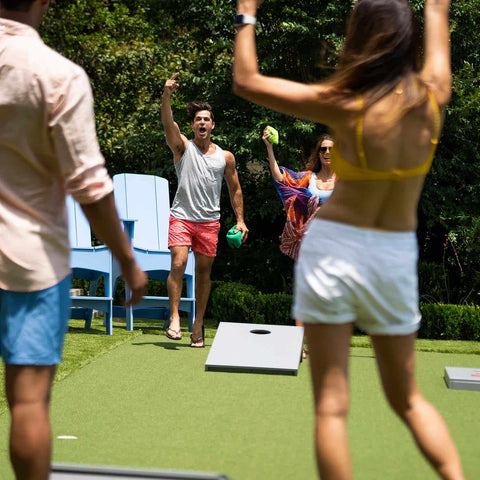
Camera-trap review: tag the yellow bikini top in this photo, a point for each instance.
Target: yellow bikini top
(345, 170)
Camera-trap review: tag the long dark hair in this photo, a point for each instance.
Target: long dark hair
(313, 162)
(382, 48)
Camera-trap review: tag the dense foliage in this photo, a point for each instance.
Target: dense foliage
(129, 48)
(242, 303)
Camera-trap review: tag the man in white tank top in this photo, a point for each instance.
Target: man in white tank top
(194, 217)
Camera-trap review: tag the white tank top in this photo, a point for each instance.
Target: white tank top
(312, 188)
(199, 185)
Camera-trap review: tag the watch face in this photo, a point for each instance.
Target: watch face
(238, 20)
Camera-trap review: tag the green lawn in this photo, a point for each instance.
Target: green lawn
(149, 403)
(82, 346)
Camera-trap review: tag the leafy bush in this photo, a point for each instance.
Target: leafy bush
(237, 302)
(450, 322)
(129, 48)
(276, 308)
(432, 283)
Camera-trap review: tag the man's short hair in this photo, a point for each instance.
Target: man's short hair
(194, 107)
(17, 5)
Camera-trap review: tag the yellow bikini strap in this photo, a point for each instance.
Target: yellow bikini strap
(359, 133)
(436, 132)
(436, 118)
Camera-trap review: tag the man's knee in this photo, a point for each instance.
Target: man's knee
(203, 266)
(202, 276)
(28, 385)
(178, 267)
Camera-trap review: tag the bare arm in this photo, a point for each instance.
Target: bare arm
(293, 98)
(235, 191)
(175, 140)
(436, 71)
(276, 172)
(103, 218)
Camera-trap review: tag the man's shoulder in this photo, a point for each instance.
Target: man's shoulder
(56, 65)
(229, 157)
(34, 55)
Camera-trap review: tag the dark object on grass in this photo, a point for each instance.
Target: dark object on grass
(87, 472)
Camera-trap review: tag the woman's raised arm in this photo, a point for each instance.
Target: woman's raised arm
(436, 71)
(285, 96)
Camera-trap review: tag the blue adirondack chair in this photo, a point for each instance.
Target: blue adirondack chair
(143, 203)
(89, 263)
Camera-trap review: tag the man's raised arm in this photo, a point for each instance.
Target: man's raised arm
(175, 140)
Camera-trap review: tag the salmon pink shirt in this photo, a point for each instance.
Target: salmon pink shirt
(48, 148)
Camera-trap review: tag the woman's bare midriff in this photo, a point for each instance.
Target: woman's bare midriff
(376, 204)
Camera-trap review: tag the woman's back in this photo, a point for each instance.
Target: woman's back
(380, 61)
(381, 160)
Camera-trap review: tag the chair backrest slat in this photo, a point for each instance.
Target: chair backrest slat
(78, 226)
(144, 198)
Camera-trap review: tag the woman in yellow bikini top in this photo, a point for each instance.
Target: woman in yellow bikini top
(348, 171)
(357, 264)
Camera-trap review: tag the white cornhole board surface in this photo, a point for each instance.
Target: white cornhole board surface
(253, 348)
(462, 378)
(96, 472)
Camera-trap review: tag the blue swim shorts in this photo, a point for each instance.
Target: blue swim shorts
(33, 325)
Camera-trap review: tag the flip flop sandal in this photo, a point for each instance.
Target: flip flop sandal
(197, 340)
(176, 332)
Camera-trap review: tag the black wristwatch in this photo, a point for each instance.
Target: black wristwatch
(244, 19)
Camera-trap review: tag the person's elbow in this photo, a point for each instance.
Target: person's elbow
(244, 84)
(442, 90)
(444, 93)
(240, 87)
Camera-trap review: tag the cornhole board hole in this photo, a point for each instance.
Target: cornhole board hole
(462, 378)
(94, 472)
(252, 348)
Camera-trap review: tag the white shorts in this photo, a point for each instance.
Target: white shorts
(349, 274)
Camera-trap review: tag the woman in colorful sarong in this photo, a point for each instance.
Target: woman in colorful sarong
(302, 193)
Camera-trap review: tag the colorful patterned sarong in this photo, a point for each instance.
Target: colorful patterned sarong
(300, 205)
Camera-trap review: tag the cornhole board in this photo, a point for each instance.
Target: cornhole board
(96, 472)
(253, 348)
(462, 378)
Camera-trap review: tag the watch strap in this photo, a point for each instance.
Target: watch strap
(244, 19)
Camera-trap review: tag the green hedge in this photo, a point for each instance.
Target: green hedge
(276, 308)
(236, 302)
(450, 322)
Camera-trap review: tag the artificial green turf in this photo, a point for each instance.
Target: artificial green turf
(150, 404)
(81, 347)
(436, 346)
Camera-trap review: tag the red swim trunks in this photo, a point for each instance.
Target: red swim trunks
(201, 237)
